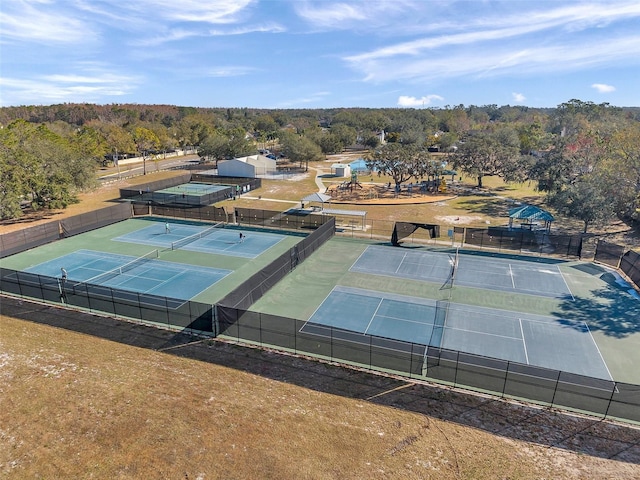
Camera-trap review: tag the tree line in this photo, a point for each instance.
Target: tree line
(584, 156)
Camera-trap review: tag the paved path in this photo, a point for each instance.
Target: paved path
(321, 186)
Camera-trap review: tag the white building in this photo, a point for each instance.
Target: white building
(341, 170)
(251, 167)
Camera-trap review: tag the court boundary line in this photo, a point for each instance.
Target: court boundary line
(373, 316)
(566, 284)
(406, 320)
(318, 308)
(524, 342)
(513, 280)
(170, 279)
(387, 295)
(401, 262)
(599, 352)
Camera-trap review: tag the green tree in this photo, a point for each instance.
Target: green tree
(145, 141)
(214, 147)
(238, 145)
(488, 153)
(345, 134)
(40, 168)
(585, 200)
(624, 170)
(118, 139)
(400, 162)
(91, 142)
(300, 149)
(192, 130)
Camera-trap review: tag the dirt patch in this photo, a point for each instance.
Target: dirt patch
(458, 219)
(128, 401)
(380, 194)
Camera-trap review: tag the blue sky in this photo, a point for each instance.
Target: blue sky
(319, 54)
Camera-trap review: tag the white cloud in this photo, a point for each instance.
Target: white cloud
(499, 59)
(353, 15)
(508, 45)
(229, 71)
(266, 28)
(40, 22)
(406, 101)
(218, 12)
(518, 97)
(90, 83)
(603, 87)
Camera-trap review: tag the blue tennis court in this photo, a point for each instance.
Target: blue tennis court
(512, 336)
(220, 240)
(509, 275)
(148, 275)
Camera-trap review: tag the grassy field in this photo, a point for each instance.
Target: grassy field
(82, 397)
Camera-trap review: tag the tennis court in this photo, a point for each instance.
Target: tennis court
(146, 274)
(509, 275)
(513, 336)
(193, 188)
(217, 239)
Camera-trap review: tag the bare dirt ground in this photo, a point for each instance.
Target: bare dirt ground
(92, 397)
(377, 194)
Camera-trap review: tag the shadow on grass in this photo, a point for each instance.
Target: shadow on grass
(491, 203)
(490, 206)
(509, 419)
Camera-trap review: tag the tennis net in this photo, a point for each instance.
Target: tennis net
(108, 275)
(439, 323)
(454, 266)
(192, 238)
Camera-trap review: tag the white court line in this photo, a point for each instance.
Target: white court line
(359, 257)
(567, 285)
(170, 279)
(398, 319)
(400, 264)
(524, 344)
(599, 352)
(513, 282)
(316, 310)
(374, 315)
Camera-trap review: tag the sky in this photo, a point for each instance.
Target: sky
(319, 54)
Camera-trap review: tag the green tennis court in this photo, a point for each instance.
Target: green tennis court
(193, 188)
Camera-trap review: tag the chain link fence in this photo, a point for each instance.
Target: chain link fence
(502, 378)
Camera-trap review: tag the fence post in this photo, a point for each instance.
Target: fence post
(506, 374)
(295, 335)
(555, 390)
(331, 344)
(455, 377)
(613, 391)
